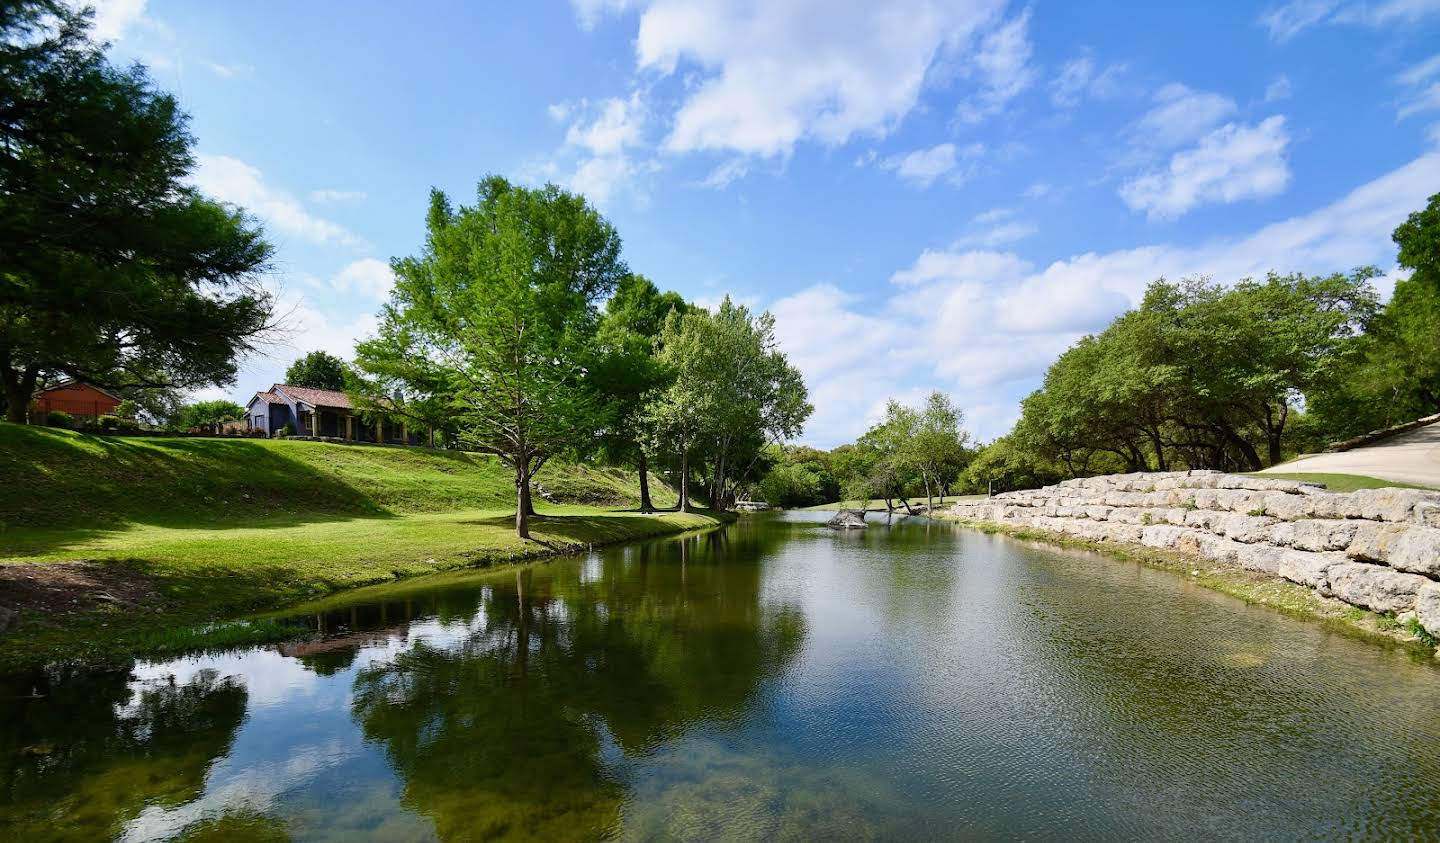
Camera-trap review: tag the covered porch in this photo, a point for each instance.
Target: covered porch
(342, 423)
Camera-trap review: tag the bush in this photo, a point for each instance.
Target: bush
(288, 429)
(128, 409)
(108, 422)
(59, 418)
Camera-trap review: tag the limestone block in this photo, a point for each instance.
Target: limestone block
(1205, 519)
(1162, 535)
(1124, 499)
(1374, 587)
(1373, 541)
(1173, 515)
(1289, 507)
(1235, 500)
(1427, 607)
(1264, 558)
(1417, 550)
(1206, 498)
(1215, 548)
(1385, 504)
(1097, 513)
(1330, 505)
(1244, 528)
(1121, 532)
(1426, 512)
(1315, 534)
(1307, 567)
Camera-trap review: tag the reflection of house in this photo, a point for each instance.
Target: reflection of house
(79, 399)
(320, 412)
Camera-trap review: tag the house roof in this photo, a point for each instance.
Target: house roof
(267, 397)
(69, 382)
(315, 397)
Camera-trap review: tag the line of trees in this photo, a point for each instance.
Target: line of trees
(494, 331)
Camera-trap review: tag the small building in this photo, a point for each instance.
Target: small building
(84, 401)
(320, 412)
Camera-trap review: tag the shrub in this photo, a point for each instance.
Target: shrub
(108, 422)
(127, 409)
(59, 418)
(288, 429)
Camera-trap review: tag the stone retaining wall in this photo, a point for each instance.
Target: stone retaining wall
(1375, 548)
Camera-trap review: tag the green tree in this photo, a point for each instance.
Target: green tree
(627, 369)
(730, 391)
(1419, 241)
(207, 414)
(892, 470)
(496, 317)
(317, 370)
(937, 445)
(113, 268)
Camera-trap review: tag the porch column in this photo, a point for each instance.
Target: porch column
(349, 426)
(404, 434)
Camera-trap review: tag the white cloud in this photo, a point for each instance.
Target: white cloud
(998, 234)
(1278, 89)
(1232, 163)
(589, 12)
(618, 125)
(923, 166)
(366, 277)
(232, 180)
(1291, 18)
(769, 75)
(114, 18)
(1038, 190)
(1181, 115)
(984, 326)
(558, 111)
(1003, 65)
(230, 71)
(603, 137)
(721, 176)
(1423, 96)
(1079, 79)
(330, 195)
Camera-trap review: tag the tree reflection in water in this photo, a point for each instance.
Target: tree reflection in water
(513, 730)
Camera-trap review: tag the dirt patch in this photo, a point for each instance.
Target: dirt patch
(58, 590)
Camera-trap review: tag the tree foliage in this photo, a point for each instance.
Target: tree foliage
(113, 268)
(206, 414)
(317, 370)
(495, 320)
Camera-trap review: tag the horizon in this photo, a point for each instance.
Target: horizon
(948, 207)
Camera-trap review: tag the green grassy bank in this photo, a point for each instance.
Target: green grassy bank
(123, 545)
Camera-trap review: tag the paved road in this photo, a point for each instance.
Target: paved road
(1411, 457)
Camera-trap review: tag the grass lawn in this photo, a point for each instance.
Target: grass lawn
(1343, 482)
(123, 545)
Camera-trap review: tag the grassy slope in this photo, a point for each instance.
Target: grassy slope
(222, 526)
(1343, 482)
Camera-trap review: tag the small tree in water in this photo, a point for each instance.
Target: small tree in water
(495, 318)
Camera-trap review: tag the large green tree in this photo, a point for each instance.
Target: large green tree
(317, 370)
(627, 368)
(113, 268)
(495, 317)
(729, 392)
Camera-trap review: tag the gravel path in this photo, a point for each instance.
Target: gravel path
(1410, 457)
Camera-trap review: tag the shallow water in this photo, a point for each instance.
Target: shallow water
(772, 679)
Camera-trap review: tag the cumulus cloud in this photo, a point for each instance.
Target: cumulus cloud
(367, 277)
(923, 166)
(985, 325)
(115, 18)
(1003, 65)
(769, 75)
(232, 180)
(1232, 163)
(1181, 115)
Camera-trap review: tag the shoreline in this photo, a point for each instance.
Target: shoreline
(1255, 588)
(154, 618)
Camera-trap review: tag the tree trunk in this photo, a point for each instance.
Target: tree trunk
(684, 480)
(18, 389)
(645, 504)
(522, 498)
(929, 498)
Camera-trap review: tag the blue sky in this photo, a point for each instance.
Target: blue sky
(926, 194)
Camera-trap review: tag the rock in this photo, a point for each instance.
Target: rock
(848, 519)
(1289, 507)
(1260, 557)
(1163, 535)
(1417, 550)
(1374, 587)
(1373, 542)
(1244, 528)
(1384, 504)
(1427, 513)
(1307, 567)
(1315, 534)
(1427, 607)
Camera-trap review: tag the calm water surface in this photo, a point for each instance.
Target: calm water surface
(771, 680)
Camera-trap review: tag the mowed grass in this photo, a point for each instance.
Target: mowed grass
(1342, 482)
(218, 527)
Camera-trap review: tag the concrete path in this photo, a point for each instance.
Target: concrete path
(1410, 457)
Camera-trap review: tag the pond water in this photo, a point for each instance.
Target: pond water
(768, 680)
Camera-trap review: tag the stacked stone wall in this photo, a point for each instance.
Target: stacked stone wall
(1374, 548)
